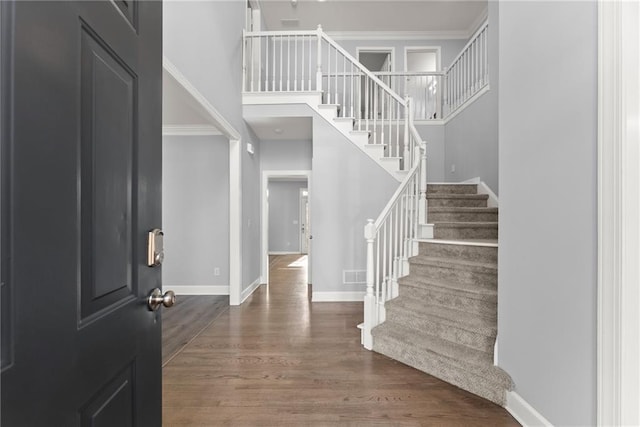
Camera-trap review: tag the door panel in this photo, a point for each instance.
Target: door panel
(82, 129)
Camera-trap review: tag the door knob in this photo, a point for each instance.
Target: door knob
(156, 299)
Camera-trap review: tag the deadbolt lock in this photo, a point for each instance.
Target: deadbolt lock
(155, 252)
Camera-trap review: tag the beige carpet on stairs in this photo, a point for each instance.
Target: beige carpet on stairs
(444, 321)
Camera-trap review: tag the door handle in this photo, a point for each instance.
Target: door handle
(156, 299)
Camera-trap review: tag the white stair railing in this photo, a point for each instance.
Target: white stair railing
(392, 239)
(424, 88)
(299, 61)
(468, 72)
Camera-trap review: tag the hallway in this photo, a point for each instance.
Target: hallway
(280, 360)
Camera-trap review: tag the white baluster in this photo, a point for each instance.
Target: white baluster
(288, 62)
(423, 183)
(295, 63)
(407, 153)
(244, 61)
(319, 63)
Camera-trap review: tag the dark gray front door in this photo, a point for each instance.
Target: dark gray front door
(81, 162)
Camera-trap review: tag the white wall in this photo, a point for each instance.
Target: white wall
(284, 215)
(547, 245)
(471, 137)
(195, 178)
(204, 40)
(285, 155)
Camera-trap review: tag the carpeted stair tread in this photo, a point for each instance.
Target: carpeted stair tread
(467, 321)
(463, 250)
(457, 353)
(485, 293)
(452, 188)
(473, 304)
(467, 224)
(461, 209)
(441, 327)
(483, 379)
(477, 267)
(457, 196)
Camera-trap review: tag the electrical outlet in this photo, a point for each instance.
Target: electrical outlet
(216, 271)
(453, 168)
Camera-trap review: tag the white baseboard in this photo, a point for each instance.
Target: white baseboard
(524, 413)
(483, 188)
(198, 290)
(249, 290)
(285, 253)
(338, 296)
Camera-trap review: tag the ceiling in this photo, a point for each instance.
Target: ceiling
(179, 108)
(453, 18)
(281, 128)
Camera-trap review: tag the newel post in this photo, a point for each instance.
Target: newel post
(319, 61)
(369, 298)
(422, 208)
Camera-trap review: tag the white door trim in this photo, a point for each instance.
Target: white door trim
(302, 219)
(389, 49)
(618, 329)
(436, 49)
(264, 217)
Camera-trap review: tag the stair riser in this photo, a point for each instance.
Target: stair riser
(440, 368)
(452, 189)
(486, 280)
(444, 232)
(485, 308)
(467, 253)
(461, 203)
(444, 331)
(462, 216)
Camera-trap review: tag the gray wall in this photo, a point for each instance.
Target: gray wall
(204, 40)
(548, 247)
(471, 137)
(284, 215)
(285, 155)
(195, 178)
(347, 187)
(435, 138)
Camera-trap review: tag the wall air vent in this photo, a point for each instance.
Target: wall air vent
(354, 277)
(290, 23)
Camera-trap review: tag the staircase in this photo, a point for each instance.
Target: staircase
(431, 294)
(444, 321)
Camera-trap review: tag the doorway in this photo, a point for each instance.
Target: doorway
(282, 221)
(423, 89)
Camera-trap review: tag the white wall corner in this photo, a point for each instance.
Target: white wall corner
(523, 412)
(246, 293)
(618, 314)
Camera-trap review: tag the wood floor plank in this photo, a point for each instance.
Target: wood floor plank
(280, 360)
(188, 317)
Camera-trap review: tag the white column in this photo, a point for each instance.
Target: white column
(370, 318)
(319, 62)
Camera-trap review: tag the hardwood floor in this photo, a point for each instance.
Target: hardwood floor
(280, 360)
(186, 319)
